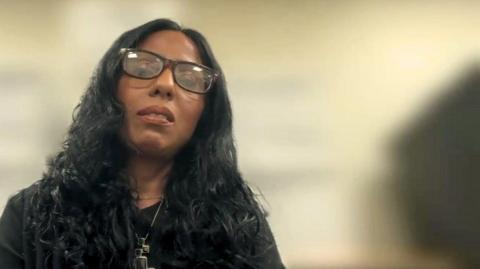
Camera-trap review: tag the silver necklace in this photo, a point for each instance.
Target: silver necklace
(143, 249)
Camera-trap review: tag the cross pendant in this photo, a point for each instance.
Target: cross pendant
(141, 261)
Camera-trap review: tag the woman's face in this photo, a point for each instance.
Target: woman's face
(148, 128)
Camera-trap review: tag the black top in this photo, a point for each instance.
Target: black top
(14, 253)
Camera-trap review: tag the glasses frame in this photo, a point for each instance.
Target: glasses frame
(166, 64)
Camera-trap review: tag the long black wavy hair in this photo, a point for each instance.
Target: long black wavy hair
(83, 204)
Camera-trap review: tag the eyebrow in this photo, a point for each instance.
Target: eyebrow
(174, 59)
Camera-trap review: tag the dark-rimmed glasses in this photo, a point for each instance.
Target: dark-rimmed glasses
(144, 64)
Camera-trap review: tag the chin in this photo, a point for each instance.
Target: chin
(153, 148)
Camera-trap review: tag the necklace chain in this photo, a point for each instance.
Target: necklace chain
(153, 221)
(137, 196)
(149, 197)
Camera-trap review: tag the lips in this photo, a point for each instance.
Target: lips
(156, 115)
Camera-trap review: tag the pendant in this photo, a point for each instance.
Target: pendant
(141, 261)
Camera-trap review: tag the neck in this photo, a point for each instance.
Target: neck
(148, 178)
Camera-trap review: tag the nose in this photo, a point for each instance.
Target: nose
(164, 85)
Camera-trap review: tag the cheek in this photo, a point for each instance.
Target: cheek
(129, 95)
(127, 82)
(122, 91)
(126, 97)
(192, 106)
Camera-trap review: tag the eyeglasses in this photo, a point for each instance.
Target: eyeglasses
(143, 64)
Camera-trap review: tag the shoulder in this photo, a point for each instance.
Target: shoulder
(17, 202)
(12, 252)
(266, 248)
(17, 209)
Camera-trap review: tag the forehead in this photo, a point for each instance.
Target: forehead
(173, 45)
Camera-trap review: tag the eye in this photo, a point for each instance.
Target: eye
(142, 72)
(191, 79)
(192, 76)
(144, 66)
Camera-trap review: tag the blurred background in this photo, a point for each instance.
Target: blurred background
(356, 119)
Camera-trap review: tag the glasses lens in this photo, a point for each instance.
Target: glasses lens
(142, 64)
(193, 77)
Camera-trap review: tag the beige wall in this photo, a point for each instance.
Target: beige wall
(318, 88)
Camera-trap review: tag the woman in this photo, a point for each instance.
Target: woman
(148, 176)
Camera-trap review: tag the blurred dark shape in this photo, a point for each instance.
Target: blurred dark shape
(439, 172)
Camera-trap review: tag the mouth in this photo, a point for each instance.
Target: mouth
(156, 115)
